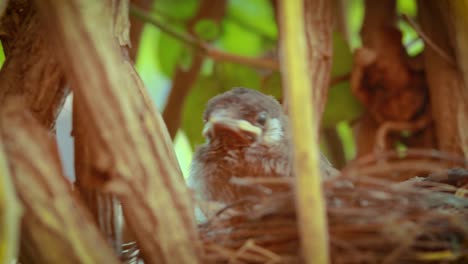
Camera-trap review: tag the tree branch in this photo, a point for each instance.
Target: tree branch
(56, 228)
(318, 26)
(444, 79)
(11, 212)
(202, 47)
(130, 144)
(34, 74)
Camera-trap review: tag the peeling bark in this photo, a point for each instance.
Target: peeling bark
(318, 16)
(29, 69)
(56, 228)
(106, 208)
(130, 144)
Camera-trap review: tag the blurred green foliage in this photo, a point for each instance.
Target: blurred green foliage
(2, 55)
(248, 29)
(341, 105)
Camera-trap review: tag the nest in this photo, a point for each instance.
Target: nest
(370, 220)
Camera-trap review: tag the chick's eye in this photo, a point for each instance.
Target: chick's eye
(262, 118)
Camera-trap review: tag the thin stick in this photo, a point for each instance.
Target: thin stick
(310, 204)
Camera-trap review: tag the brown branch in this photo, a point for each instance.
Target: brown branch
(106, 208)
(130, 144)
(318, 26)
(54, 219)
(29, 69)
(446, 86)
(202, 47)
(339, 79)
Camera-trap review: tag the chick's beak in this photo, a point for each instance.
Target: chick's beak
(237, 127)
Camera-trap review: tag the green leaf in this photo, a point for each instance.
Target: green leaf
(272, 84)
(185, 59)
(230, 75)
(2, 55)
(408, 7)
(256, 16)
(148, 67)
(355, 17)
(238, 40)
(192, 118)
(207, 29)
(413, 44)
(170, 51)
(177, 9)
(345, 132)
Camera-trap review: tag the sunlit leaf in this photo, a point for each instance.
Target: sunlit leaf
(347, 139)
(170, 52)
(148, 67)
(413, 44)
(237, 39)
(256, 15)
(408, 7)
(2, 55)
(355, 17)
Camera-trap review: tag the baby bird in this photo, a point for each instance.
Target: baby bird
(246, 136)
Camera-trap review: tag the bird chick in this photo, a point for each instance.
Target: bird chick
(246, 136)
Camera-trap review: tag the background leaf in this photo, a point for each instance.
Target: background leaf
(341, 105)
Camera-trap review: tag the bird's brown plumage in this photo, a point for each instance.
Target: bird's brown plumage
(247, 136)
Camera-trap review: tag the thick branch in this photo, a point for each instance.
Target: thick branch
(10, 213)
(56, 228)
(30, 69)
(444, 79)
(131, 144)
